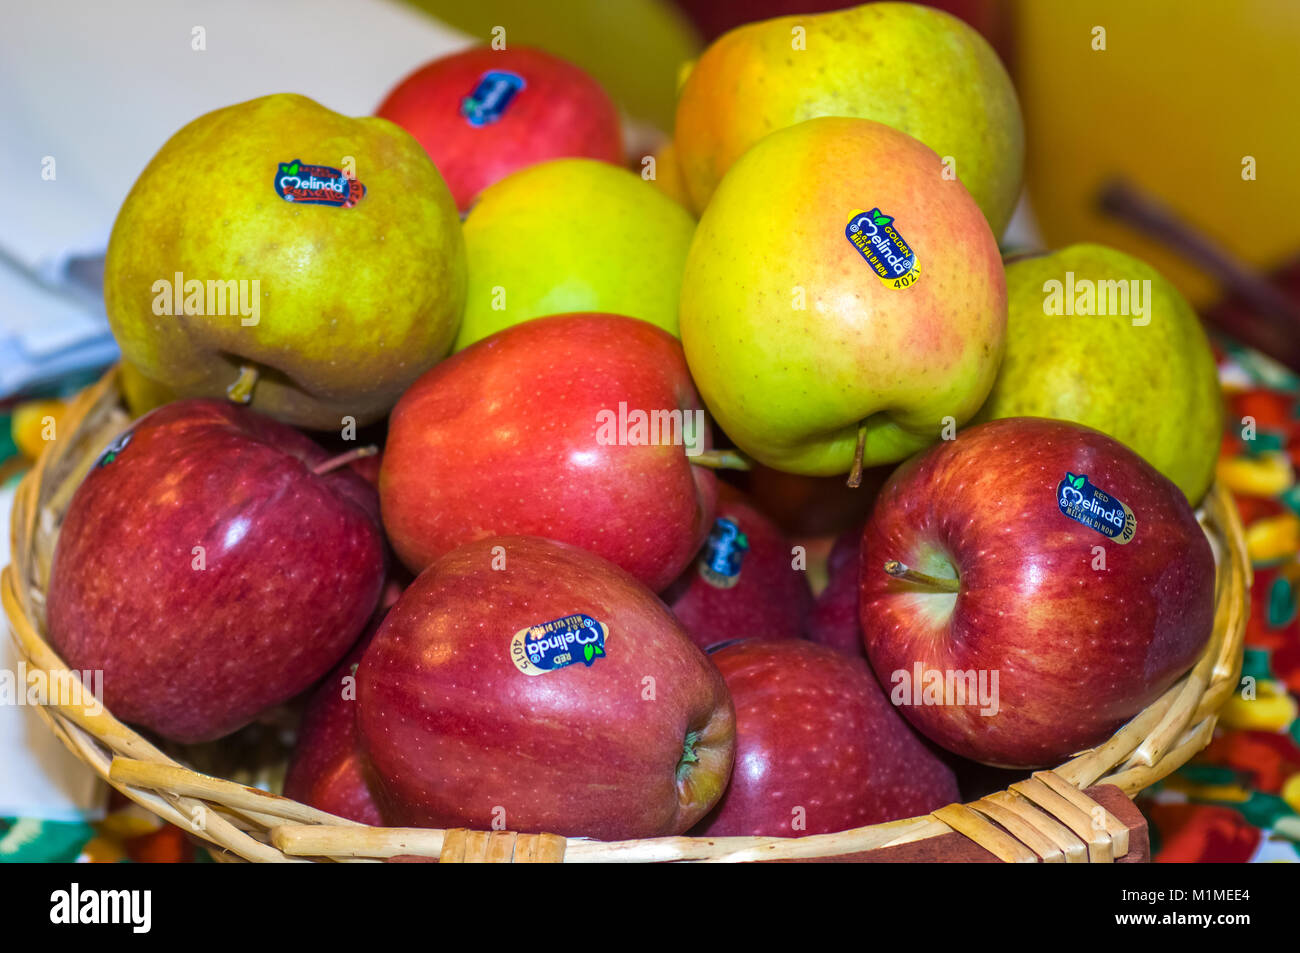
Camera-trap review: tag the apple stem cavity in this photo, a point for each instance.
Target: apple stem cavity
(939, 583)
(721, 460)
(855, 474)
(241, 391)
(343, 459)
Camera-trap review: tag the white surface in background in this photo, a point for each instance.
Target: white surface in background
(101, 86)
(1022, 232)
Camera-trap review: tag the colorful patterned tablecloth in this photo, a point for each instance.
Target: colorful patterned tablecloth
(1239, 800)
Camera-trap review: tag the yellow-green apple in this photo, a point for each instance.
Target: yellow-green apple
(919, 70)
(141, 394)
(580, 428)
(523, 683)
(573, 235)
(842, 300)
(1029, 587)
(327, 770)
(483, 113)
(833, 619)
(1085, 326)
(818, 747)
(280, 252)
(745, 583)
(214, 563)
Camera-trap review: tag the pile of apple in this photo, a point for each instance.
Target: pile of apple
(548, 604)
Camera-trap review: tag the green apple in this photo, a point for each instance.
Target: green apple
(804, 336)
(1098, 337)
(911, 67)
(280, 251)
(573, 235)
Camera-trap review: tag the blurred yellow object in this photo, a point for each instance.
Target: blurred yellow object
(1291, 792)
(126, 824)
(1266, 475)
(1272, 709)
(633, 48)
(668, 177)
(1208, 792)
(1273, 538)
(35, 424)
(1183, 92)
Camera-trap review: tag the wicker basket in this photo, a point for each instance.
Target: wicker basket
(1046, 817)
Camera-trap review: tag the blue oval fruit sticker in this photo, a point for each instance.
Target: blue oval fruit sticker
(305, 184)
(557, 644)
(493, 92)
(723, 553)
(1084, 503)
(877, 240)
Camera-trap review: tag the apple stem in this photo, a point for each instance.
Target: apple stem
(721, 460)
(855, 474)
(241, 391)
(343, 459)
(901, 571)
(1140, 211)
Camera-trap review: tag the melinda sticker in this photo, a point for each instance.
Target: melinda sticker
(723, 553)
(305, 184)
(558, 644)
(495, 90)
(877, 240)
(1084, 503)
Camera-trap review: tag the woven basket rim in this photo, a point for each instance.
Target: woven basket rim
(1035, 819)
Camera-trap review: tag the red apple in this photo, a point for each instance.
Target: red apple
(210, 571)
(1084, 589)
(833, 620)
(743, 584)
(525, 684)
(327, 770)
(482, 114)
(808, 506)
(818, 747)
(518, 434)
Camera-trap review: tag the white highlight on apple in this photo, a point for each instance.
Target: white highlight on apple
(1088, 297)
(63, 688)
(932, 686)
(639, 428)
